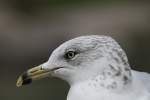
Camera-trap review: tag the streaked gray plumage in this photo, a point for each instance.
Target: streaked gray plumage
(96, 67)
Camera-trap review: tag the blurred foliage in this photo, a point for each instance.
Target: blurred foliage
(29, 6)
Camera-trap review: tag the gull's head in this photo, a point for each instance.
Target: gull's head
(79, 59)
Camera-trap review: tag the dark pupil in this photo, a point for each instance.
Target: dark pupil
(70, 54)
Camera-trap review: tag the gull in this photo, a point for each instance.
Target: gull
(96, 68)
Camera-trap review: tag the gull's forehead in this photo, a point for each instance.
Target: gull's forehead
(90, 39)
(87, 41)
(84, 43)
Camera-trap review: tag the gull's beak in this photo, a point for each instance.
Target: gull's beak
(33, 74)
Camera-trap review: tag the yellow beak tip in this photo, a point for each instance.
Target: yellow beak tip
(19, 82)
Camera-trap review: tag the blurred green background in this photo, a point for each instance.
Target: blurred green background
(31, 29)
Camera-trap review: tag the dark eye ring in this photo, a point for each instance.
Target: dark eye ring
(70, 54)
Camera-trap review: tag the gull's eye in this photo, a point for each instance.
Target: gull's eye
(70, 54)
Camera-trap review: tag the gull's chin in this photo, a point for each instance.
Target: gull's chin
(60, 69)
(61, 72)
